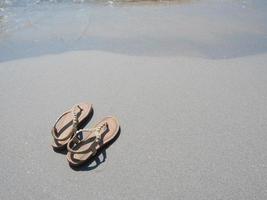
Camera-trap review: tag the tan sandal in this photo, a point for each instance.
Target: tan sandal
(82, 149)
(68, 123)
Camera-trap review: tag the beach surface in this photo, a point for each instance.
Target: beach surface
(191, 128)
(191, 101)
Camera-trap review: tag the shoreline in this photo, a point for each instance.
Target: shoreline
(177, 30)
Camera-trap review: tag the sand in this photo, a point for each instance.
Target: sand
(191, 128)
(186, 79)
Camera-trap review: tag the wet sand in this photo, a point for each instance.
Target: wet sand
(188, 86)
(210, 29)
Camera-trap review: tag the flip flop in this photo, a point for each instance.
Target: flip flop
(86, 142)
(68, 123)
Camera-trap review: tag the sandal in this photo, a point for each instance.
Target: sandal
(68, 123)
(86, 142)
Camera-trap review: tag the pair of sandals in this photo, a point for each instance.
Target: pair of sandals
(82, 144)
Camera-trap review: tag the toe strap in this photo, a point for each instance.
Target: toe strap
(94, 139)
(74, 123)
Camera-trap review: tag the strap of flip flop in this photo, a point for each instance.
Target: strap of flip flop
(96, 139)
(74, 123)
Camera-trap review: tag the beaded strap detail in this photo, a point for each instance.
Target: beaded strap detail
(97, 134)
(74, 123)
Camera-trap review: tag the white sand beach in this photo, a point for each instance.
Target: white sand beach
(190, 128)
(193, 124)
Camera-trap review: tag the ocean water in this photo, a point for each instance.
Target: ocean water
(214, 29)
